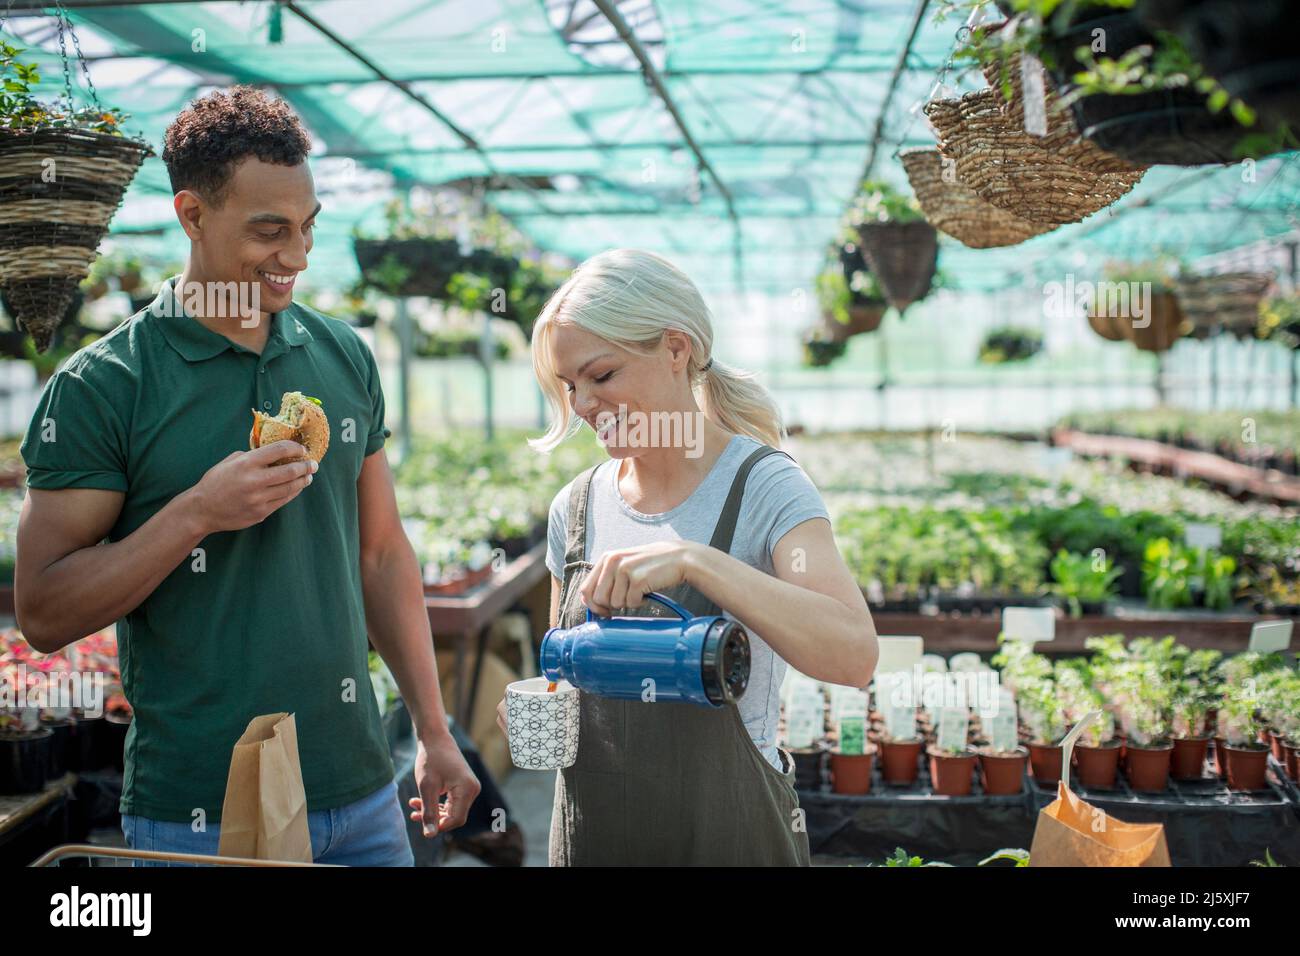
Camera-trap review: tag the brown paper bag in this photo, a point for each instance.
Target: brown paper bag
(264, 816)
(1072, 832)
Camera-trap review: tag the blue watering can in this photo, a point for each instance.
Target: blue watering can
(693, 660)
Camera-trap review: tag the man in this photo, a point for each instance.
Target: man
(242, 584)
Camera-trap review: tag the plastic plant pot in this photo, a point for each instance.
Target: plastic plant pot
(60, 748)
(1148, 767)
(1098, 766)
(851, 773)
(1220, 758)
(1290, 752)
(1003, 774)
(1275, 744)
(1188, 760)
(25, 761)
(808, 764)
(899, 761)
(951, 774)
(1247, 767)
(1045, 763)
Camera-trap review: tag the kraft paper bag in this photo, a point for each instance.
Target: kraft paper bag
(264, 816)
(1072, 832)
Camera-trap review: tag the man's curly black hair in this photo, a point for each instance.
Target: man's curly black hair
(210, 136)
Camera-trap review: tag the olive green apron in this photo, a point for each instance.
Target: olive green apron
(668, 784)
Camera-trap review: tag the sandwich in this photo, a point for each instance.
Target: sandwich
(301, 419)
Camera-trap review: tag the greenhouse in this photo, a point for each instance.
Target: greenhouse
(835, 433)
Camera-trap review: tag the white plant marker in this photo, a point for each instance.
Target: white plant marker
(1268, 637)
(1032, 624)
(954, 723)
(1200, 535)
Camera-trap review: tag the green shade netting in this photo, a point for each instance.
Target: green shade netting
(782, 98)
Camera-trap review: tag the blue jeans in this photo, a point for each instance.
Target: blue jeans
(369, 832)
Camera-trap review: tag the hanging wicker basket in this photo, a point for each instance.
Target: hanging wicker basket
(1023, 174)
(59, 188)
(903, 257)
(862, 320)
(1228, 301)
(955, 209)
(1156, 331)
(1107, 326)
(1061, 130)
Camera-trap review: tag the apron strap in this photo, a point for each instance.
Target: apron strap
(576, 525)
(726, 527)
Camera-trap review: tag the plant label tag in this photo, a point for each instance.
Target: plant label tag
(849, 702)
(1269, 637)
(803, 726)
(900, 722)
(1002, 730)
(1032, 624)
(899, 653)
(1035, 94)
(954, 724)
(1201, 535)
(853, 735)
(966, 661)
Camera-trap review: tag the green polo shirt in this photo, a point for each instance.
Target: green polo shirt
(267, 619)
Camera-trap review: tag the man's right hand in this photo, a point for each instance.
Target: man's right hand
(245, 486)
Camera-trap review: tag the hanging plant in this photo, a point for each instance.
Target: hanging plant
(901, 248)
(1135, 93)
(847, 311)
(51, 226)
(1279, 320)
(820, 351)
(1228, 301)
(1139, 300)
(1010, 344)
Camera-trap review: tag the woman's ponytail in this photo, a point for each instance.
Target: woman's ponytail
(734, 399)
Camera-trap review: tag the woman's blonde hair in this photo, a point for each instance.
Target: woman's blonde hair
(631, 298)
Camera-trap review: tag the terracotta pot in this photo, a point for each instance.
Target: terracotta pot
(1045, 763)
(851, 773)
(1246, 767)
(898, 761)
(1291, 755)
(1188, 760)
(950, 774)
(1148, 768)
(1003, 773)
(1098, 766)
(1220, 758)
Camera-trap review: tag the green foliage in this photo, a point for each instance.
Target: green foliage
(1010, 344)
(21, 110)
(1175, 575)
(901, 858)
(1081, 578)
(1018, 856)
(878, 201)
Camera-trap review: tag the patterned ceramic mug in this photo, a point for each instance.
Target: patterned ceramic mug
(542, 727)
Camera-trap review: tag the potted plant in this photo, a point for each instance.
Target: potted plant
(1002, 772)
(1096, 751)
(1085, 582)
(951, 770)
(96, 161)
(24, 744)
(1146, 706)
(852, 758)
(848, 311)
(901, 248)
(1144, 306)
(417, 255)
(900, 757)
(1194, 696)
(819, 350)
(1246, 757)
(1010, 344)
(1045, 720)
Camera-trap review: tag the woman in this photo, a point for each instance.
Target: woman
(715, 517)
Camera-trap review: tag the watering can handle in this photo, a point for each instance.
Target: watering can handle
(656, 596)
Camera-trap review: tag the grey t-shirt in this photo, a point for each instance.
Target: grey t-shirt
(778, 496)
